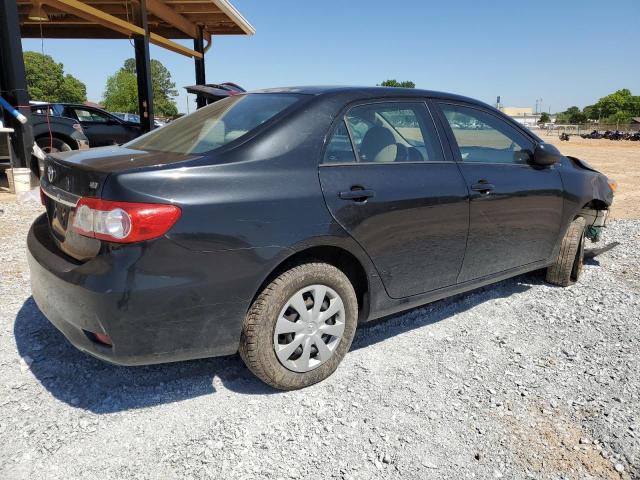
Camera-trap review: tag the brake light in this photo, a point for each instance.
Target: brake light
(123, 222)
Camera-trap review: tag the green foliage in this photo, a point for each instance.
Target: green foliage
(121, 93)
(591, 112)
(395, 83)
(619, 106)
(544, 118)
(47, 82)
(571, 115)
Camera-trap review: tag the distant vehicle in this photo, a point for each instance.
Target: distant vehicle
(212, 92)
(135, 118)
(272, 223)
(101, 127)
(127, 117)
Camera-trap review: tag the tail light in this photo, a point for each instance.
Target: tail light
(123, 222)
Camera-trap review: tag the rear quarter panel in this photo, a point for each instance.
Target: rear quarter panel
(247, 209)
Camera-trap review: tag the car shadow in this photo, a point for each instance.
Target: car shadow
(378, 330)
(592, 261)
(84, 382)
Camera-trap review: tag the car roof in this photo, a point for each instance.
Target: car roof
(368, 92)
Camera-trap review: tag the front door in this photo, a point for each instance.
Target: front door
(101, 129)
(387, 182)
(515, 207)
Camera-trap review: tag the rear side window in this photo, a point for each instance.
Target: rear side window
(217, 124)
(393, 132)
(339, 149)
(484, 138)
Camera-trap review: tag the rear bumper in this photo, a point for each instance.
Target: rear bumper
(157, 302)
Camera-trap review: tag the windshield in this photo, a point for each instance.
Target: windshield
(216, 124)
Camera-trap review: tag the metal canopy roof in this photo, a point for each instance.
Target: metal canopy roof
(167, 19)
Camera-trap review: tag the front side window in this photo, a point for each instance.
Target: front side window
(217, 124)
(393, 132)
(484, 138)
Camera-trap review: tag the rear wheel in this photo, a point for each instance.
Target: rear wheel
(300, 326)
(52, 145)
(568, 266)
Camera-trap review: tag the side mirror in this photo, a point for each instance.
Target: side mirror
(546, 154)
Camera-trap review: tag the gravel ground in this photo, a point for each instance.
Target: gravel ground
(516, 380)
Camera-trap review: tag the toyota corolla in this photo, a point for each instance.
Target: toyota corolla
(272, 223)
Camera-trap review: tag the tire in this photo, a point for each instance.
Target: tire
(52, 145)
(274, 308)
(568, 266)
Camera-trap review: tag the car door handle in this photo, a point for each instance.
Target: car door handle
(482, 187)
(356, 194)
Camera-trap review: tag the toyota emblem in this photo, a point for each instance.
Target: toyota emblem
(51, 173)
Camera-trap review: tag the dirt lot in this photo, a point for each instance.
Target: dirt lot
(616, 159)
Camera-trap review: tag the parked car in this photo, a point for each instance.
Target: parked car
(272, 223)
(57, 134)
(135, 118)
(54, 134)
(101, 127)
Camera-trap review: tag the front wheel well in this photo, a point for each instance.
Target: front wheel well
(595, 204)
(339, 258)
(594, 214)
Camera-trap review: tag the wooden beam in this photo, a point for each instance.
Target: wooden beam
(82, 10)
(173, 46)
(94, 15)
(63, 30)
(169, 15)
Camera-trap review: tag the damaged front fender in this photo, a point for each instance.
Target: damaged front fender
(588, 194)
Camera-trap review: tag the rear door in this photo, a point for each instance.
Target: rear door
(515, 207)
(388, 183)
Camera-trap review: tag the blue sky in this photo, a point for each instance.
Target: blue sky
(568, 52)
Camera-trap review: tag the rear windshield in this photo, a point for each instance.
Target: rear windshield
(216, 124)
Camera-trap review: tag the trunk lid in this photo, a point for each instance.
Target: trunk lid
(70, 176)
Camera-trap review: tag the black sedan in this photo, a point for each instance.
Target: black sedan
(101, 127)
(272, 223)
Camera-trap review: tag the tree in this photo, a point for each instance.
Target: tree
(591, 112)
(544, 118)
(618, 106)
(47, 82)
(575, 115)
(571, 115)
(121, 93)
(395, 83)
